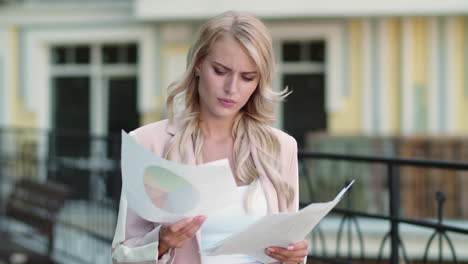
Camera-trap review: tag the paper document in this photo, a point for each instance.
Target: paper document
(159, 190)
(280, 230)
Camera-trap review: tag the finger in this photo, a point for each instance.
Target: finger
(294, 253)
(180, 224)
(189, 234)
(299, 245)
(196, 222)
(285, 259)
(272, 253)
(182, 238)
(189, 230)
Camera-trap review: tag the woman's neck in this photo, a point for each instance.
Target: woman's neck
(216, 129)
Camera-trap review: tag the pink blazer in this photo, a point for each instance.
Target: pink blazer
(136, 240)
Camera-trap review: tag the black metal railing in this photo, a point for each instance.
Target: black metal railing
(90, 165)
(350, 218)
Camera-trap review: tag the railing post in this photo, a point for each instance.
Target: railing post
(440, 198)
(394, 182)
(2, 165)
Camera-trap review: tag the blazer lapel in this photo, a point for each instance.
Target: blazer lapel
(268, 188)
(173, 127)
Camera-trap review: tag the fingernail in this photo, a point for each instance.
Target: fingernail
(271, 250)
(290, 247)
(190, 220)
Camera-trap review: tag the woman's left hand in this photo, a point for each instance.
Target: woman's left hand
(294, 254)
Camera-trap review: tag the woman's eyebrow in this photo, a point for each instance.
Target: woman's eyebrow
(229, 69)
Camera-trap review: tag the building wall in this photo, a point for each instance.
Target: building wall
(3, 106)
(348, 119)
(19, 115)
(464, 47)
(460, 50)
(421, 86)
(173, 41)
(394, 75)
(400, 75)
(419, 68)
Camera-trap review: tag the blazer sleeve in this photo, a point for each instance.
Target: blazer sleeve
(136, 240)
(293, 173)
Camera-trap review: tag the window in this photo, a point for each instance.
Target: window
(305, 51)
(303, 72)
(94, 92)
(71, 55)
(123, 54)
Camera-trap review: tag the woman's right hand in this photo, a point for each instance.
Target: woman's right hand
(177, 234)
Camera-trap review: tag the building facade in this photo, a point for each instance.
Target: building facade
(359, 68)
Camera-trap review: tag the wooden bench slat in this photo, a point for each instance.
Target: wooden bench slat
(36, 204)
(34, 217)
(49, 189)
(34, 199)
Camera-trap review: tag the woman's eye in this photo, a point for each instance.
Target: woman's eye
(218, 71)
(247, 79)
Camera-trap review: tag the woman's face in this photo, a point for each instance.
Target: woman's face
(227, 78)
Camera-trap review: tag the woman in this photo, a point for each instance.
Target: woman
(228, 107)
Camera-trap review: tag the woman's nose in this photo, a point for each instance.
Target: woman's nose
(231, 84)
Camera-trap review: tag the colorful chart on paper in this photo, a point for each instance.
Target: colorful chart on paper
(168, 191)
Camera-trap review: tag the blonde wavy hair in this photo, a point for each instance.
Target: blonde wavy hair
(252, 124)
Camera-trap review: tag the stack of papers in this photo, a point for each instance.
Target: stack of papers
(159, 190)
(280, 230)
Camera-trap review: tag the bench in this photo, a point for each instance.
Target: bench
(35, 205)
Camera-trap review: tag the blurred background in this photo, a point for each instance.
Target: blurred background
(371, 80)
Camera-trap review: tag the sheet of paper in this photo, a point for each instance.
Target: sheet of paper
(275, 230)
(159, 190)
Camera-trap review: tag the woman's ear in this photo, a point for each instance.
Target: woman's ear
(197, 68)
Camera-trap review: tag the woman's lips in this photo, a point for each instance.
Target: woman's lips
(226, 102)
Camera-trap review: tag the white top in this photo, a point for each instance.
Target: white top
(229, 220)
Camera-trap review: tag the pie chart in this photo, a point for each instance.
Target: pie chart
(169, 191)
